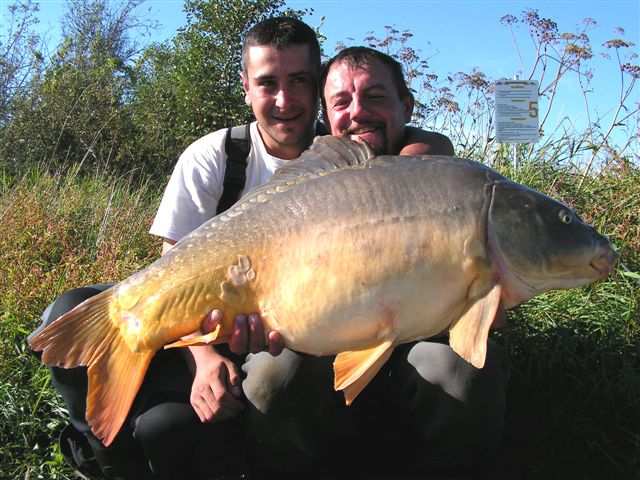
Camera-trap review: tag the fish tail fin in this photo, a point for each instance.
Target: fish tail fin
(114, 381)
(87, 336)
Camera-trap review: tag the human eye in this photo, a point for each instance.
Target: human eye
(266, 83)
(340, 103)
(377, 96)
(302, 81)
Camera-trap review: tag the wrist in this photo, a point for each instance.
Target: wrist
(198, 356)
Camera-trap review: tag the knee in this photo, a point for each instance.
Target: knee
(440, 366)
(460, 408)
(267, 376)
(294, 431)
(167, 423)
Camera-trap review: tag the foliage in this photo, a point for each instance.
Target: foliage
(573, 403)
(20, 57)
(574, 396)
(75, 111)
(56, 232)
(461, 105)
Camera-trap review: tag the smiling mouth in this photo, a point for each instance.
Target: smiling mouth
(363, 130)
(286, 119)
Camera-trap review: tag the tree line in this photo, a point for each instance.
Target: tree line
(102, 101)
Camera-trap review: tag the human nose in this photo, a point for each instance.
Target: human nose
(357, 109)
(283, 98)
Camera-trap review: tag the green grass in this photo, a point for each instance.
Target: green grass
(56, 232)
(573, 399)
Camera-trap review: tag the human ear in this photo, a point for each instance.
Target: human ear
(408, 104)
(245, 86)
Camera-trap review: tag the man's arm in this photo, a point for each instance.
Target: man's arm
(217, 384)
(423, 142)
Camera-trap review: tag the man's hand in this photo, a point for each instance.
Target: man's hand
(248, 334)
(216, 389)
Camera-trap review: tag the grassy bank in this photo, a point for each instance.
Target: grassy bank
(573, 399)
(56, 232)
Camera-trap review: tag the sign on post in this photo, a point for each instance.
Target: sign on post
(517, 111)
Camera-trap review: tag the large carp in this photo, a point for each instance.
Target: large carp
(342, 253)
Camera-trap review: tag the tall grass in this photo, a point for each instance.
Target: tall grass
(56, 232)
(574, 395)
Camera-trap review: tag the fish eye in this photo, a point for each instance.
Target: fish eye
(565, 217)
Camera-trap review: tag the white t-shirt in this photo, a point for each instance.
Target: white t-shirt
(195, 186)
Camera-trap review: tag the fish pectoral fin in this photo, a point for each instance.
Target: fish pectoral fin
(468, 335)
(207, 339)
(354, 370)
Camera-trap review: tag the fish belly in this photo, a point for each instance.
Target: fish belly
(347, 289)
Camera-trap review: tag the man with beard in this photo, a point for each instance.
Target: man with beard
(427, 409)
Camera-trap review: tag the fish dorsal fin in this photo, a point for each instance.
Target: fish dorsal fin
(326, 154)
(354, 370)
(468, 335)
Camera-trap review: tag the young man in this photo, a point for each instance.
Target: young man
(176, 428)
(281, 61)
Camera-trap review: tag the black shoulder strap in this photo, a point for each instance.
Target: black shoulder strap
(321, 129)
(237, 145)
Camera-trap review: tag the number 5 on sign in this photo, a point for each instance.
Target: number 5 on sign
(517, 111)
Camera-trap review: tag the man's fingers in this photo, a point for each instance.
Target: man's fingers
(256, 333)
(234, 382)
(211, 320)
(276, 343)
(205, 404)
(226, 401)
(216, 404)
(240, 336)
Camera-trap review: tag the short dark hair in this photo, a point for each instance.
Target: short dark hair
(355, 58)
(281, 33)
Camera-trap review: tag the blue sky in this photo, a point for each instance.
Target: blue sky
(456, 35)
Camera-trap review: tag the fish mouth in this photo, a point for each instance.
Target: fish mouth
(603, 263)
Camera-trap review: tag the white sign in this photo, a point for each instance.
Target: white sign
(517, 111)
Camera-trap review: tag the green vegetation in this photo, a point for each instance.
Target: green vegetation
(88, 136)
(56, 231)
